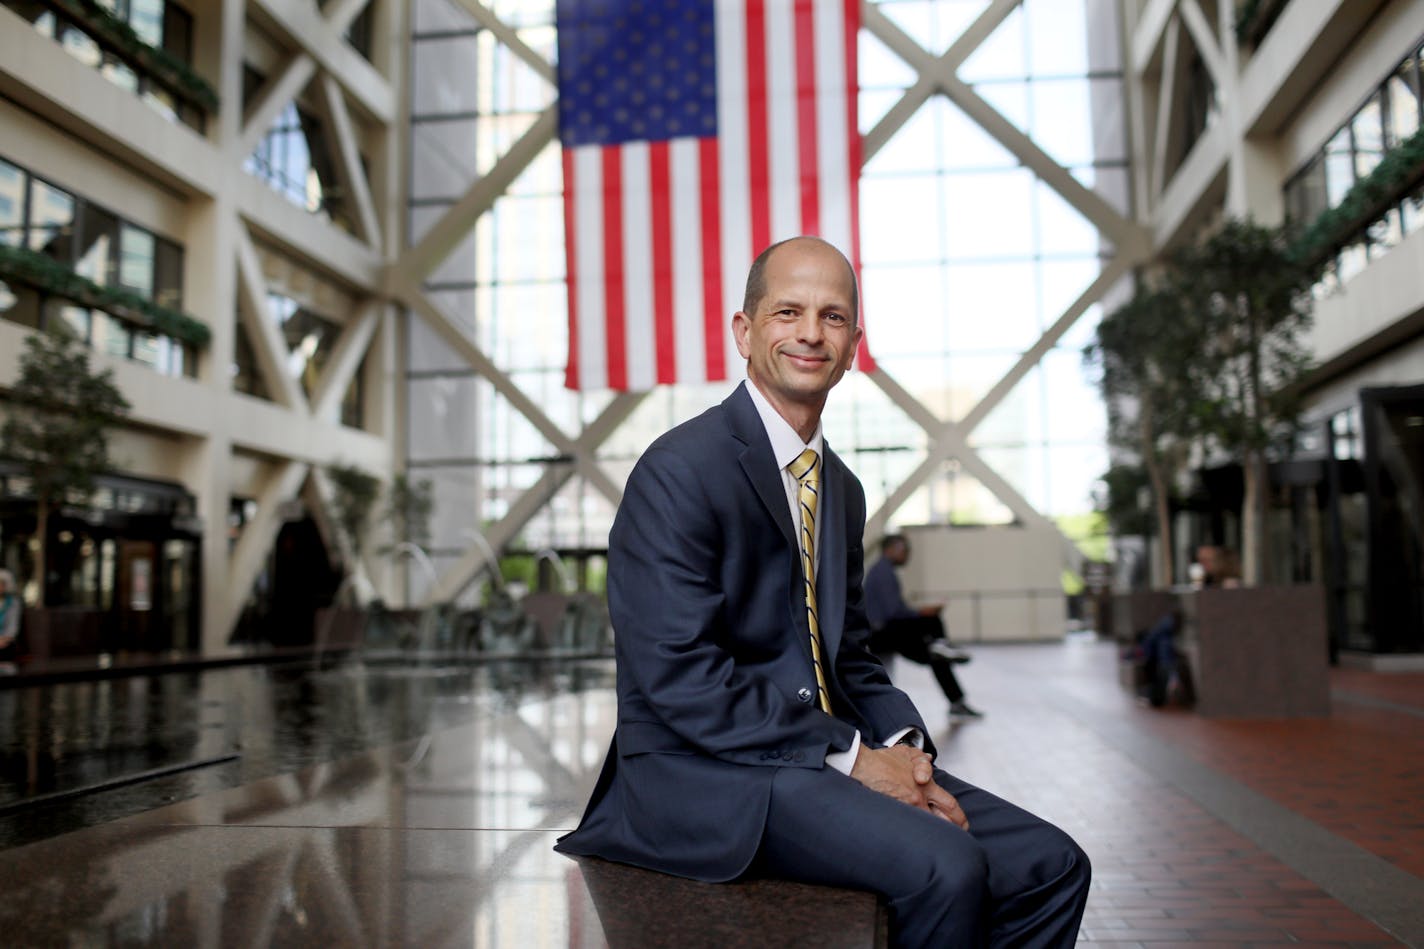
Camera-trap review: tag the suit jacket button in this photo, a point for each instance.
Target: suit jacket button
(786, 756)
(804, 695)
(800, 756)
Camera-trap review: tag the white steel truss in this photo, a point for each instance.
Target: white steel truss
(937, 75)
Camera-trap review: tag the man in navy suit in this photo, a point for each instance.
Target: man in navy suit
(744, 743)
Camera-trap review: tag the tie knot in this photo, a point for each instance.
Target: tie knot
(805, 467)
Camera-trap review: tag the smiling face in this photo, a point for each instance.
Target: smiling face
(803, 334)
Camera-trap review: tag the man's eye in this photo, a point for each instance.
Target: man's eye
(836, 317)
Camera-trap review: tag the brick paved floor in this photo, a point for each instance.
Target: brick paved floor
(1065, 740)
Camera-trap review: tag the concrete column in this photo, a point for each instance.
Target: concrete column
(1254, 188)
(210, 292)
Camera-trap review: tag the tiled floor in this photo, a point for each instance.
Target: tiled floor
(439, 832)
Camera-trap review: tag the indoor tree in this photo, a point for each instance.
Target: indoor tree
(1252, 298)
(56, 427)
(1141, 351)
(353, 495)
(409, 505)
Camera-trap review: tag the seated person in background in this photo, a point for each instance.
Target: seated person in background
(10, 608)
(1159, 657)
(916, 634)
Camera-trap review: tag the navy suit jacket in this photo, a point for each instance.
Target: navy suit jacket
(715, 684)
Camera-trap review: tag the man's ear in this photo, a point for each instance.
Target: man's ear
(854, 347)
(741, 329)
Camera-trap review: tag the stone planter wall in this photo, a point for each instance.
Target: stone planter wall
(1258, 652)
(1137, 611)
(56, 632)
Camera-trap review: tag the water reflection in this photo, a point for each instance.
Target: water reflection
(441, 839)
(71, 737)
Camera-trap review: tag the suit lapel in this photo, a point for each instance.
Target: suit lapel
(757, 461)
(761, 470)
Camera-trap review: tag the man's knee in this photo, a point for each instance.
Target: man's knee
(1064, 870)
(962, 878)
(948, 868)
(945, 896)
(1077, 870)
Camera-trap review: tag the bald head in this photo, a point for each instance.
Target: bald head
(756, 277)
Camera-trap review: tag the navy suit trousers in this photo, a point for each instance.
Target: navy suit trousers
(1012, 879)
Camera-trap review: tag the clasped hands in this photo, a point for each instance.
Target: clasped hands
(906, 773)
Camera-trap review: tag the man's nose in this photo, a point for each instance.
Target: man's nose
(809, 328)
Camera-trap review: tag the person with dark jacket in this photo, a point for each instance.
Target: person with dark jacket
(916, 634)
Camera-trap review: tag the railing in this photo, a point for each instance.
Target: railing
(976, 616)
(93, 35)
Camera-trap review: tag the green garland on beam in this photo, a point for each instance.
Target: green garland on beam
(118, 37)
(1400, 170)
(47, 274)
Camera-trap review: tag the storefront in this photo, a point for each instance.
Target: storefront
(1346, 511)
(122, 575)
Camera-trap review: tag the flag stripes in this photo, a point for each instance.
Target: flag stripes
(660, 227)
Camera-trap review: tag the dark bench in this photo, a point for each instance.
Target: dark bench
(638, 908)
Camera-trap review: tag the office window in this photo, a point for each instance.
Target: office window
(1339, 166)
(98, 250)
(51, 223)
(13, 183)
(1403, 91)
(1368, 129)
(110, 335)
(136, 259)
(167, 274)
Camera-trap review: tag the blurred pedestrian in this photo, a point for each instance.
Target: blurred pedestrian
(916, 634)
(10, 609)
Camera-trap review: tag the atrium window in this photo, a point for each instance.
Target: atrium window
(309, 322)
(954, 293)
(295, 160)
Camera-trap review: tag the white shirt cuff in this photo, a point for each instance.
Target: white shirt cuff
(843, 761)
(911, 732)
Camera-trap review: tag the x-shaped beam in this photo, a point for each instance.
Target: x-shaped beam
(939, 75)
(936, 75)
(580, 451)
(272, 354)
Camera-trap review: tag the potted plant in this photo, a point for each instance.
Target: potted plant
(1257, 649)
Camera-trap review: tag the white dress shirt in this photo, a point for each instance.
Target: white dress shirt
(786, 447)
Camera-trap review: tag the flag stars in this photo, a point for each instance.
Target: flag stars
(635, 68)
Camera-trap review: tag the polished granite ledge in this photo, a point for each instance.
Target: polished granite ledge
(639, 908)
(80, 753)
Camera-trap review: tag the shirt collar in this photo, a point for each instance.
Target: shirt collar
(786, 445)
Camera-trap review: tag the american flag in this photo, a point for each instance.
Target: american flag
(695, 133)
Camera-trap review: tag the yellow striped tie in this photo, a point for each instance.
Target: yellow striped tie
(806, 469)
